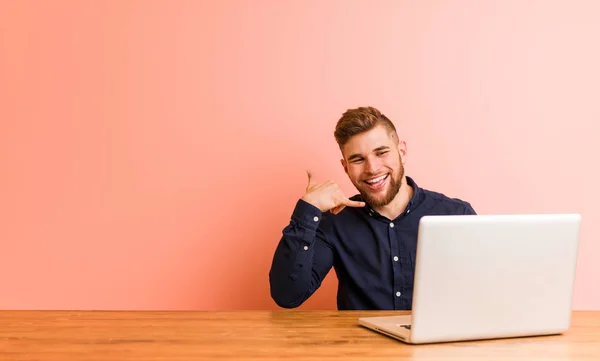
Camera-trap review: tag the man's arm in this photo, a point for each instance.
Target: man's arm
(302, 259)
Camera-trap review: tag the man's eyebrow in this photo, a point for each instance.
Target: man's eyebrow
(383, 147)
(354, 156)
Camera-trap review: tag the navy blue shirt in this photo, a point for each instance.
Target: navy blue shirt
(373, 256)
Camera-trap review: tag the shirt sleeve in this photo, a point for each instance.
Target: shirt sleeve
(302, 258)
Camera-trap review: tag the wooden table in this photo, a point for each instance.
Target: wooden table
(258, 335)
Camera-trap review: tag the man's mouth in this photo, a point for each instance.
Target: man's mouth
(377, 182)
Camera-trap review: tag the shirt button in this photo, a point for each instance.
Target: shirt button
(395, 258)
(316, 219)
(407, 211)
(306, 248)
(392, 225)
(398, 294)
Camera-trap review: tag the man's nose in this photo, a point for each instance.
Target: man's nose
(372, 165)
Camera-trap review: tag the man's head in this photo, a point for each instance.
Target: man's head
(373, 156)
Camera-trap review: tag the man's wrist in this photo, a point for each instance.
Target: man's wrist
(311, 201)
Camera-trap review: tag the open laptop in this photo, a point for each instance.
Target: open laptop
(489, 276)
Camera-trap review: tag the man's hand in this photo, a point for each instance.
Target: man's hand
(327, 196)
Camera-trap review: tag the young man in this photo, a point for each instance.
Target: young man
(371, 238)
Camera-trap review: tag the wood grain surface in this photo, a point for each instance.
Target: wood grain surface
(259, 335)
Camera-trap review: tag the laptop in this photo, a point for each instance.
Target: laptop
(489, 276)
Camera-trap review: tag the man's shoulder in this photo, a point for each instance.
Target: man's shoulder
(441, 197)
(457, 205)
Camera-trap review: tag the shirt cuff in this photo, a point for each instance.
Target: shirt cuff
(307, 215)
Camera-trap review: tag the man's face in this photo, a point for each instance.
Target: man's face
(374, 162)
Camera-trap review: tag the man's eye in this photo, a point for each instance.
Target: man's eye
(382, 153)
(356, 161)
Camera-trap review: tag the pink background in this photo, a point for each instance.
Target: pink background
(151, 152)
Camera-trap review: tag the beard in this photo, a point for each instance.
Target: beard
(395, 180)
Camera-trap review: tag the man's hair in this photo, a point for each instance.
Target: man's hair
(360, 120)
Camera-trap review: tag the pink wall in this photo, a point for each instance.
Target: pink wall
(151, 152)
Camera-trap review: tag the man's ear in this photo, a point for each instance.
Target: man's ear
(402, 150)
(345, 165)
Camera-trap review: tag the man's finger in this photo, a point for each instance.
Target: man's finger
(337, 209)
(310, 183)
(351, 203)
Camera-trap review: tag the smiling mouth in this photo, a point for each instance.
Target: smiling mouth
(378, 182)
